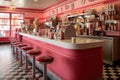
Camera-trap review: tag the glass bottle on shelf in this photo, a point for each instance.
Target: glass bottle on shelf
(111, 25)
(109, 15)
(103, 27)
(107, 27)
(112, 15)
(102, 16)
(115, 27)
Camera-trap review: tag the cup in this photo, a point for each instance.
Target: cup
(73, 40)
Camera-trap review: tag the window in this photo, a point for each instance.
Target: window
(4, 24)
(16, 21)
(9, 22)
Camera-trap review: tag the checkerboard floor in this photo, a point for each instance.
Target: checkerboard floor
(11, 70)
(111, 72)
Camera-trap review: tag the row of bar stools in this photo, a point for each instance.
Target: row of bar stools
(30, 51)
(45, 60)
(19, 48)
(33, 53)
(22, 48)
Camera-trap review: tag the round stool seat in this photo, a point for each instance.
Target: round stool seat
(34, 52)
(16, 43)
(45, 59)
(21, 45)
(26, 48)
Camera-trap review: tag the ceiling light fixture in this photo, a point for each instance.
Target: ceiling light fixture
(35, 0)
(11, 4)
(12, 7)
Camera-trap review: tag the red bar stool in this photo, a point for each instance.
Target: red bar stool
(19, 46)
(16, 43)
(45, 60)
(26, 48)
(19, 51)
(12, 40)
(33, 53)
(14, 46)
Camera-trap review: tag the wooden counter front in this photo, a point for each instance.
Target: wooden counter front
(72, 61)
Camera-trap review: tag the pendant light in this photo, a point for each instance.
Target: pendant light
(36, 0)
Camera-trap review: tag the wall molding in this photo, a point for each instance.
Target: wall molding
(58, 5)
(84, 7)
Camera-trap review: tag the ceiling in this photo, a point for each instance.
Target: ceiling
(30, 4)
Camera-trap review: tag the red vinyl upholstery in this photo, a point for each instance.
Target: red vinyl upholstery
(45, 59)
(34, 52)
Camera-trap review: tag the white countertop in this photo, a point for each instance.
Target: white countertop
(81, 43)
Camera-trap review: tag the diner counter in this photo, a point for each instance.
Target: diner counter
(72, 61)
(80, 43)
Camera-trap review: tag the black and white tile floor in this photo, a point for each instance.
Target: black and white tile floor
(111, 72)
(10, 69)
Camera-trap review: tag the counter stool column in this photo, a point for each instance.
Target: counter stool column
(15, 49)
(26, 48)
(22, 47)
(33, 53)
(12, 42)
(45, 60)
(19, 54)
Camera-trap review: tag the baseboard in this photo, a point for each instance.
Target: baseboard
(111, 62)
